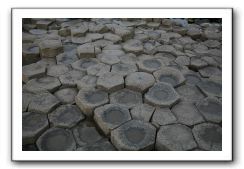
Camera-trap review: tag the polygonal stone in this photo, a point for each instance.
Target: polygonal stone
(30, 54)
(46, 83)
(210, 88)
(113, 52)
(56, 139)
(163, 116)
(110, 82)
(149, 64)
(134, 135)
(175, 137)
(139, 81)
(84, 64)
(129, 58)
(89, 99)
(66, 95)
(79, 31)
(33, 70)
(100, 28)
(94, 36)
(169, 75)
(86, 135)
(102, 145)
(126, 97)
(37, 31)
(33, 124)
(50, 48)
(112, 47)
(124, 32)
(109, 59)
(167, 49)
(187, 114)
(43, 103)
(66, 58)
(26, 99)
(142, 112)
(57, 70)
(98, 69)
(182, 60)
(208, 136)
(197, 63)
(211, 109)
(194, 33)
(43, 24)
(110, 116)
(64, 32)
(123, 69)
(161, 94)
(209, 71)
(112, 37)
(86, 51)
(192, 78)
(66, 116)
(190, 93)
(212, 43)
(71, 78)
(87, 81)
(133, 46)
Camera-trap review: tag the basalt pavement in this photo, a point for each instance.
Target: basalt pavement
(121, 84)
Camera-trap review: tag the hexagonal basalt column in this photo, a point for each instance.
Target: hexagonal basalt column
(98, 69)
(46, 83)
(123, 69)
(66, 95)
(210, 88)
(110, 116)
(192, 78)
(84, 64)
(57, 70)
(89, 99)
(142, 112)
(33, 70)
(88, 81)
(133, 46)
(126, 97)
(190, 93)
(169, 75)
(163, 116)
(30, 54)
(110, 82)
(211, 109)
(86, 51)
(134, 135)
(33, 124)
(50, 48)
(162, 94)
(149, 64)
(208, 136)
(86, 135)
(56, 139)
(102, 145)
(187, 113)
(175, 137)
(66, 116)
(66, 58)
(209, 71)
(71, 78)
(139, 81)
(43, 103)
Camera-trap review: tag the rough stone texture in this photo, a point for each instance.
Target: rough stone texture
(211, 109)
(175, 137)
(71, 78)
(208, 136)
(86, 51)
(33, 70)
(149, 64)
(66, 58)
(98, 69)
(43, 103)
(50, 48)
(26, 99)
(209, 71)
(133, 46)
(123, 69)
(57, 70)
(142, 112)
(30, 54)
(192, 78)
(88, 81)
(56, 139)
(162, 94)
(66, 95)
(210, 88)
(169, 75)
(163, 116)
(102, 145)
(65, 116)
(126, 98)
(89, 99)
(110, 82)
(110, 116)
(139, 81)
(189, 93)
(133, 136)
(33, 126)
(187, 114)
(84, 64)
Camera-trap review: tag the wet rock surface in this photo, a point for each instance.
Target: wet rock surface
(121, 84)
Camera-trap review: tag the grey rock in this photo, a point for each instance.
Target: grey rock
(66, 95)
(84, 64)
(163, 116)
(182, 60)
(142, 112)
(102, 145)
(88, 81)
(57, 70)
(50, 48)
(33, 70)
(133, 46)
(98, 69)
(192, 78)
(71, 78)
(30, 54)
(149, 64)
(86, 51)
(66, 58)
(109, 59)
(112, 37)
(110, 82)
(210, 88)
(209, 71)
(38, 31)
(189, 93)
(123, 69)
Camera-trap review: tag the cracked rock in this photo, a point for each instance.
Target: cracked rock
(163, 116)
(101, 145)
(33, 70)
(189, 93)
(133, 46)
(66, 95)
(123, 69)
(98, 69)
(210, 88)
(57, 70)
(84, 64)
(71, 78)
(149, 64)
(88, 81)
(110, 82)
(50, 48)
(30, 54)
(142, 112)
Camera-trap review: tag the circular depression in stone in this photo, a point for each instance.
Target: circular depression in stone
(152, 63)
(113, 115)
(210, 88)
(135, 135)
(56, 139)
(84, 63)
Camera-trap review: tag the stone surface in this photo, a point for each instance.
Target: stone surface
(50, 48)
(86, 51)
(133, 46)
(57, 70)
(139, 81)
(189, 93)
(98, 146)
(110, 116)
(169, 75)
(192, 78)
(110, 82)
(126, 98)
(66, 58)
(175, 137)
(71, 78)
(30, 54)
(89, 99)
(43, 103)
(209, 71)
(142, 112)
(66, 116)
(98, 69)
(84, 64)
(33, 70)
(210, 88)
(88, 81)
(149, 64)
(211, 109)
(133, 136)
(56, 139)
(161, 94)
(34, 124)
(163, 116)
(66, 95)
(123, 68)
(208, 136)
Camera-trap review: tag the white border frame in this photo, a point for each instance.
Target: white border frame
(19, 155)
